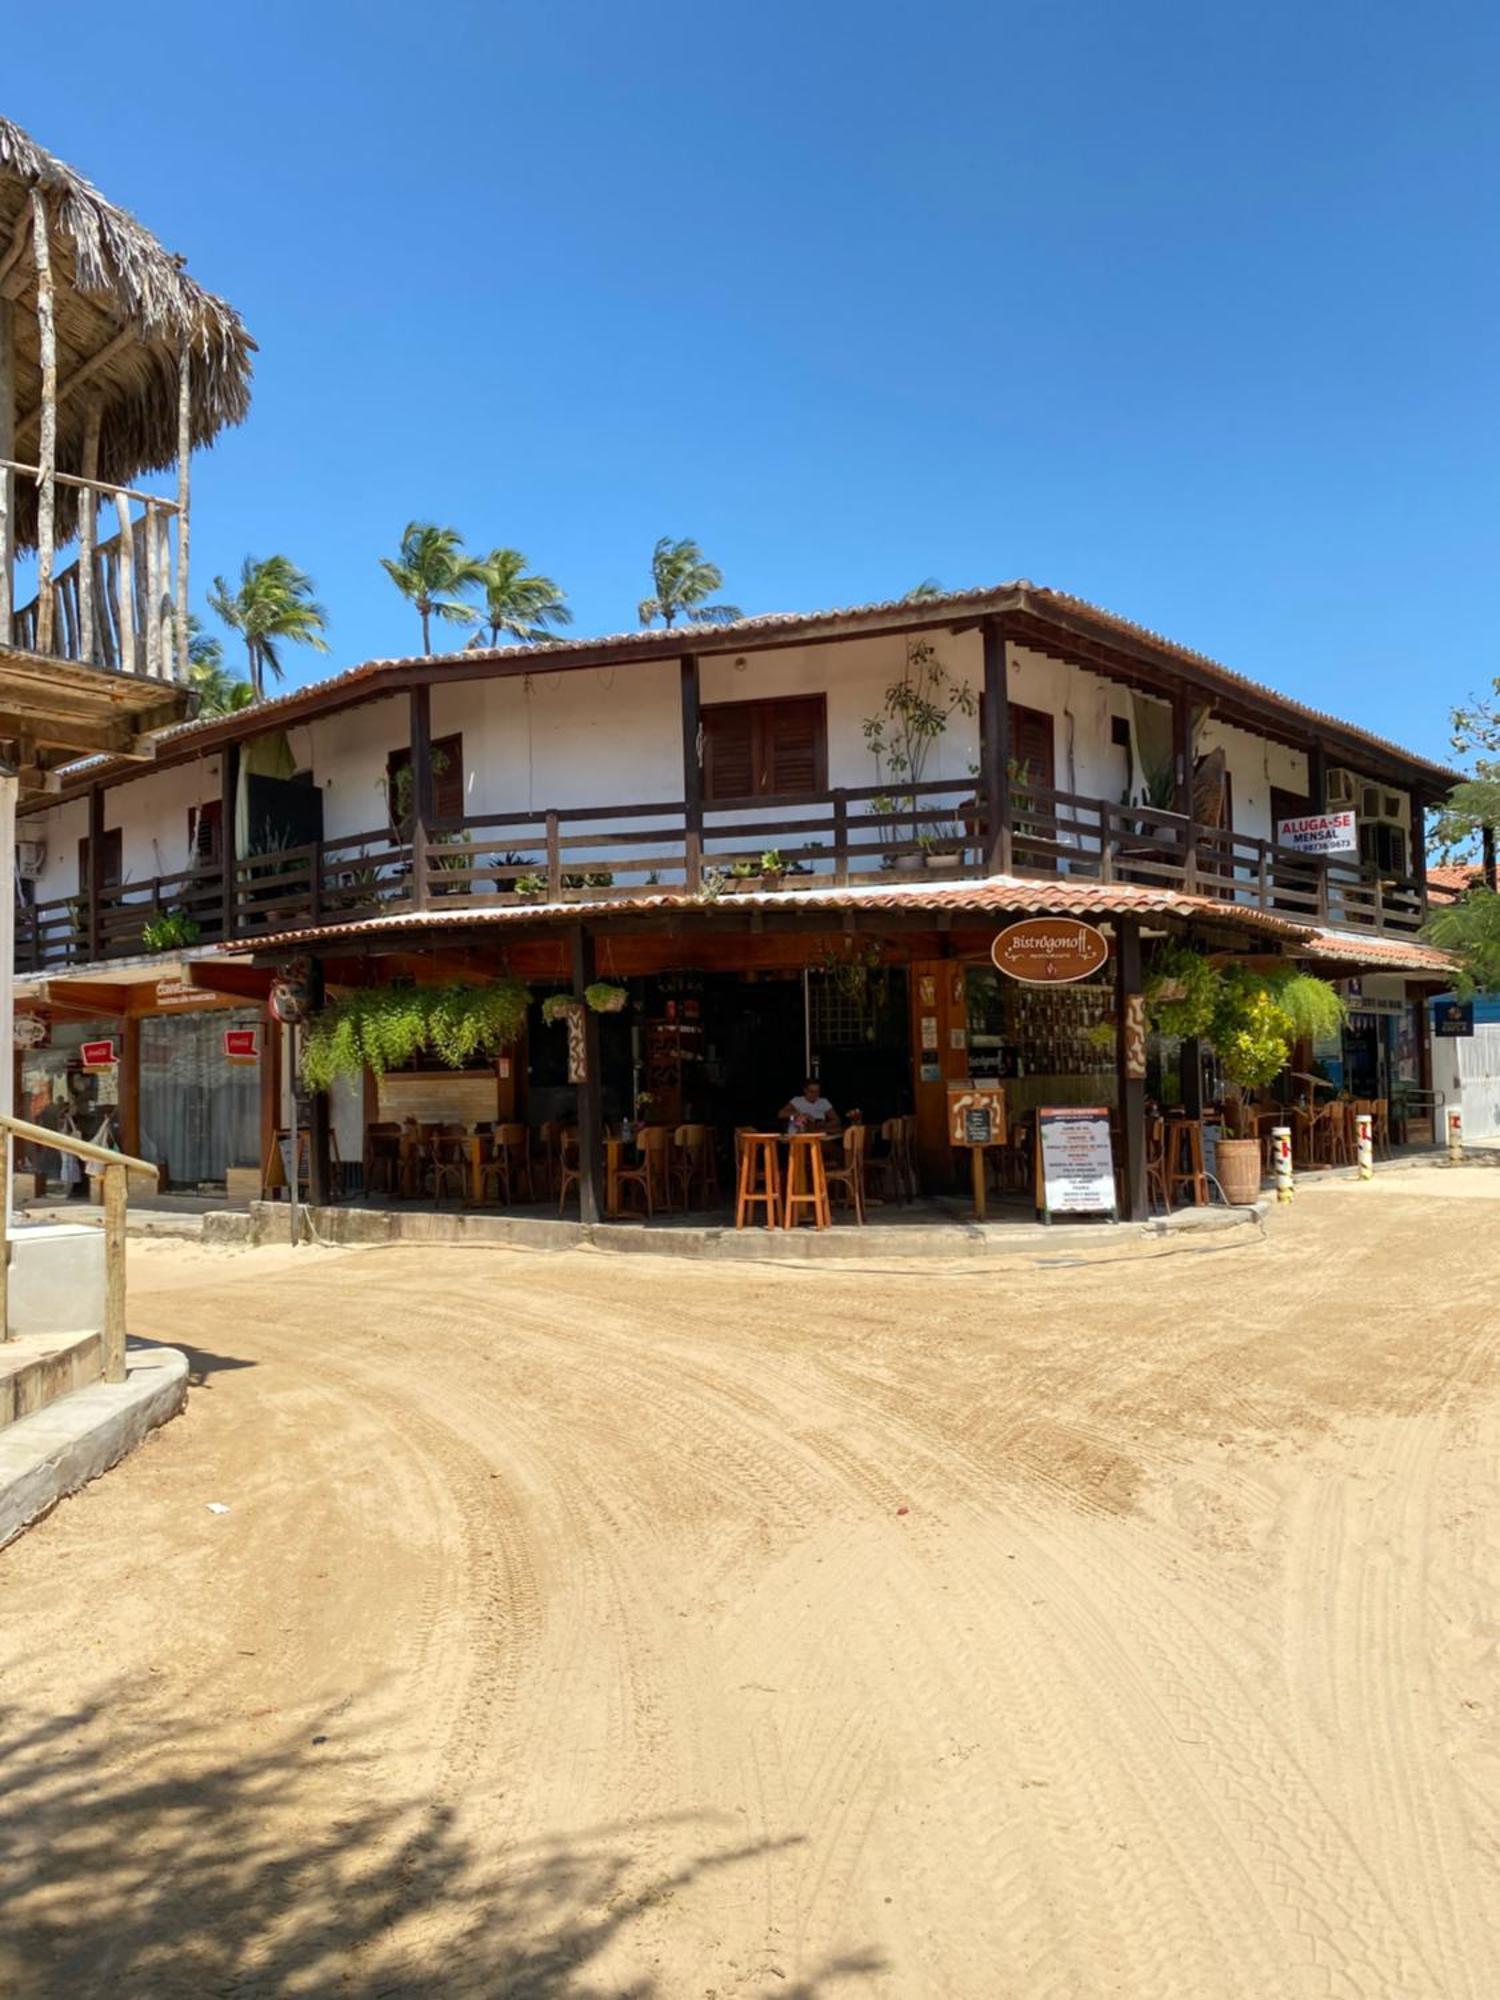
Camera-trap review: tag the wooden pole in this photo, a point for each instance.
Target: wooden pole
(229, 836)
(319, 1152)
(88, 508)
(184, 494)
(114, 1273)
(995, 754)
(590, 1089)
(421, 791)
(153, 595)
(692, 774)
(1132, 1086)
(7, 479)
(125, 583)
(46, 320)
(130, 1083)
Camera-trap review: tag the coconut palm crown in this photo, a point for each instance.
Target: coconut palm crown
(433, 569)
(517, 604)
(683, 578)
(274, 603)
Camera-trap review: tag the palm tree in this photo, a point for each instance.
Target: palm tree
(431, 570)
(516, 604)
(923, 592)
(683, 578)
(274, 602)
(219, 693)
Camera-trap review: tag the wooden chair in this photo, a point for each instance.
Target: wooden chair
(445, 1164)
(652, 1174)
(850, 1176)
(886, 1169)
(569, 1171)
(694, 1165)
(383, 1159)
(1184, 1161)
(509, 1163)
(806, 1182)
(759, 1182)
(1340, 1134)
(1156, 1163)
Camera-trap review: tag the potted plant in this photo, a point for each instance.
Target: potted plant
(171, 932)
(509, 868)
(605, 998)
(530, 888)
(900, 736)
(740, 877)
(772, 868)
(557, 1007)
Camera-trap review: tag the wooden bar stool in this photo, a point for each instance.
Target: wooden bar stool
(760, 1177)
(806, 1182)
(1185, 1161)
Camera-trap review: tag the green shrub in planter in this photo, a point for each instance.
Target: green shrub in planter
(170, 933)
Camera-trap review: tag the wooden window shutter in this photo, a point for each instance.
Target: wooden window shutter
(1031, 746)
(729, 750)
(794, 746)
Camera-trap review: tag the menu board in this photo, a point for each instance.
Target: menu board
(1075, 1163)
(976, 1114)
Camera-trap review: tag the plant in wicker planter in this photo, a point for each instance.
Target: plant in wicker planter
(605, 998)
(557, 1007)
(379, 1028)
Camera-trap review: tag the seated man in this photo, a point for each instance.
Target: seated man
(812, 1108)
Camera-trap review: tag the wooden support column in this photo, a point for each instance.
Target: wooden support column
(590, 1090)
(320, 1188)
(229, 837)
(184, 489)
(1317, 779)
(88, 514)
(7, 479)
(1488, 840)
(130, 1084)
(1190, 1076)
(1182, 782)
(994, 776)
(421, 790)
(94, 888)
(692, 773)
(1130, 1043)
(1419, 848)
(46, 321)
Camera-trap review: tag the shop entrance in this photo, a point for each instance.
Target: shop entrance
(200, 1110)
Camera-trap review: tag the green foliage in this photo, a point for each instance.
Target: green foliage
(1471, 931)
(530, 886)
(557, 1007)
(384, 1027)
(1182, 989)
(432, 570)
(771, 862)
(915, 713)
(682, 578)
(274, 602)
(1315, 1010)
(604, 997)
(517, 605)
(219, 693)
(1252, 1034)
(170, 933)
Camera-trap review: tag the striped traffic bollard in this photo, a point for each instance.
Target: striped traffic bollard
(1364, 1139)
(1455, 1135)
(1281, 1154)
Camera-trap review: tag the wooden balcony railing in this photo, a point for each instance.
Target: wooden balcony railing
(117, 604)
(860, 834)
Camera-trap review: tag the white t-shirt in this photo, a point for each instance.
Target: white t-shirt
(806, 1107)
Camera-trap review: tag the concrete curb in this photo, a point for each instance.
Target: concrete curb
(268, 1222)
(53, 1452)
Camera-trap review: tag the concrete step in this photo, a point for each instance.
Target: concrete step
(37, 1368)
(53, 1451)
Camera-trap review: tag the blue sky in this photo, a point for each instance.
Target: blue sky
(1190, 310)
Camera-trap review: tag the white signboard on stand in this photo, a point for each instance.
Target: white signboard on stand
(1319, 833)
(1075, 1172)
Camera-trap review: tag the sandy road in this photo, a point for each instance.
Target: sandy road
(586, 1626)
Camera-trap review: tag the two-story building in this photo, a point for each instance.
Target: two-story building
(700, 814)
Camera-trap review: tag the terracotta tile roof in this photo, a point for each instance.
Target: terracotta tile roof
(621, 648)
(996, 896)
(1449, 881)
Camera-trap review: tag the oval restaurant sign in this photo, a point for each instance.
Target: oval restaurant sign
(1050, 951)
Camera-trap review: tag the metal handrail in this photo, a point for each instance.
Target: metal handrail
(117, 1169)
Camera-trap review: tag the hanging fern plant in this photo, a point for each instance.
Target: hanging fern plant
(1182, 991)
(380, 1028)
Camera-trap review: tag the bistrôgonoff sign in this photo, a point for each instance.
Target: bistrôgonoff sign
(1050, 951)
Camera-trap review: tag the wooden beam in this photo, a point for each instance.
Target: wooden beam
(692, 768)
(590, 1090)
(995, 752)
(10, 262)
(88, 509)
(83, 374)
(46, 319)
(184, 494)
(229, 837)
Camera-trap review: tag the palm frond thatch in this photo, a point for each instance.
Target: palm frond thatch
(111, 278)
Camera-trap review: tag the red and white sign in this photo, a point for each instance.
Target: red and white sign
(242, 1045)
(97, 1056)
(1319, 833)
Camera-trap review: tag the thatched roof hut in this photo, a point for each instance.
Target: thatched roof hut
(124, 309)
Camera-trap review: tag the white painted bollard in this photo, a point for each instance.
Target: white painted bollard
(1281, 1158)
(1364, 1140)
(1455, 1135)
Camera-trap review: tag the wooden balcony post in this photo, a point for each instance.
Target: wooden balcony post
(421, 791)
(184, 490)
(692, 773)
(1419, 853)
(1130, 1049)
(46, 322)
(88, 512)
(319, 1151)
(840, 834)
(994, 772)
(125, 585)
(7, 478)
(554, 860)
(153, 594)
(1182, 784)
(590, 1091)
(229, 838)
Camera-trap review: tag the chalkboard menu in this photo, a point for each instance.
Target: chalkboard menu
(976, 1114)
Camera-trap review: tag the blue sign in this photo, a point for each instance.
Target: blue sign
(1452, 1017)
